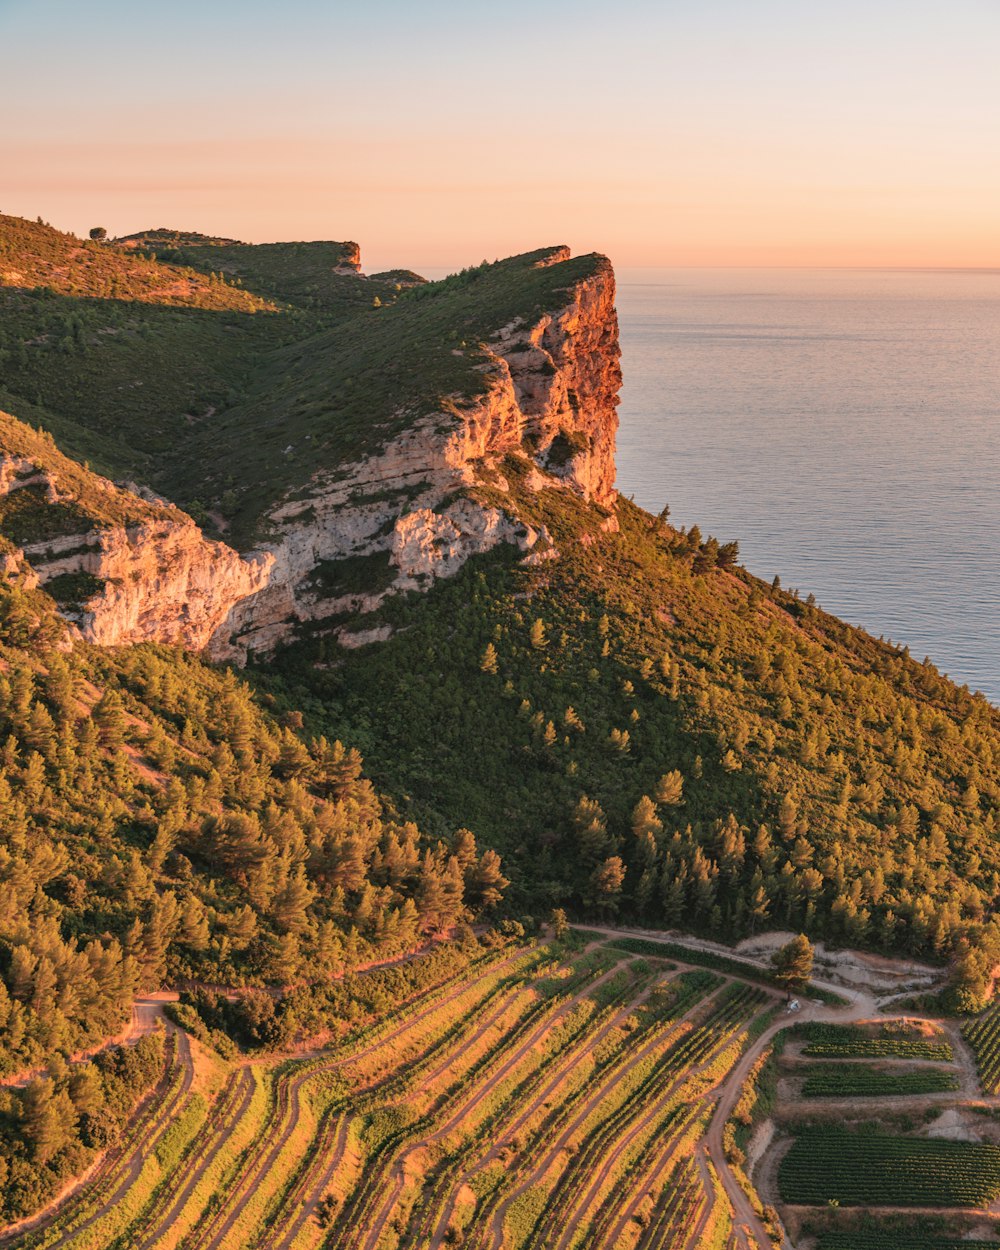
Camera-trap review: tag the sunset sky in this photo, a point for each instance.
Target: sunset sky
(663, 132)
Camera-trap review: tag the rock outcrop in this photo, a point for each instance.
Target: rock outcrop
(551, 396)
(394, 521)
(161, 581)
(150, 577)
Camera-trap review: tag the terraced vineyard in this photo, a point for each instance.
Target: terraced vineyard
(860, 1080)
(840, 1041)
(548, 1097)
(874, 1238)
(983, 1035)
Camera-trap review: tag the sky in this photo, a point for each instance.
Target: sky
(437, 133)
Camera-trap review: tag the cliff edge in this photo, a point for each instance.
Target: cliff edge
(368, 497)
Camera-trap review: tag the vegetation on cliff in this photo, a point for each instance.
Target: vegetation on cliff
(640, 727)
(649, 735)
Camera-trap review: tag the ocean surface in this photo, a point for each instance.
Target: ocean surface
(843, 425)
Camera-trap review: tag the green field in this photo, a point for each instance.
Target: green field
(849, 1080)
(837, 1041)
(827, 1164)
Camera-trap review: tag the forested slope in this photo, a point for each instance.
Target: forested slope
(158, 822)
(648, 732)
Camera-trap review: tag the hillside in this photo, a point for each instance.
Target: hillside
(641, 727)
(649, 732)
(304, 274)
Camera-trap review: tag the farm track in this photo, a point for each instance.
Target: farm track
(319, 1165)
(332, 1147)
(499, 1115)
(525, 1090)
(693, 1055)
(152, 1120)
(685, 1193)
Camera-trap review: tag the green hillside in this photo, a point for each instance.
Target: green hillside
(159, 821)
(640, 727)
(649, 733)
(309, 275)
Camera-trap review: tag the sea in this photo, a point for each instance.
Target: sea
(842, 425)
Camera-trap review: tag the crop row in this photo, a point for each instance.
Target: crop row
(860, 1080)
(686, 1053)
(742, 968)
(629, 1060)
(359, 1217)
(673, 1138)
(874, 1238)
(827, 1164)
(293, 1078)
(432, 1211)
(844, 1041)
(983, 1035)
(123, 1166)
(678, 1211)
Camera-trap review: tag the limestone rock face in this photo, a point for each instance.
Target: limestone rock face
(163, 581)
(394, 521)
(160, 579)
(552, 394)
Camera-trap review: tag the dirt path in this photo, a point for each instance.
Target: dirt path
(862, 1005)
(319, 1186)
(694, 1239)
(622, 1143)
(660, 1160)
(146, 1014)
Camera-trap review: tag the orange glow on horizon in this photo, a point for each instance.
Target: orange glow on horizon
(709, 134)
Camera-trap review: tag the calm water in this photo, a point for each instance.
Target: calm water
(843, 425)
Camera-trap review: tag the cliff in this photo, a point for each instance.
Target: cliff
(122, 568)
(549, 398)
(428, 485)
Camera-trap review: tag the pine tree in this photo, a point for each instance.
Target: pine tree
(109, 717)
(793, 963)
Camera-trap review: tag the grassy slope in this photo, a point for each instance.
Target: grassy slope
(342, 394)
(299, 273)
(201, 400)
(92, 500)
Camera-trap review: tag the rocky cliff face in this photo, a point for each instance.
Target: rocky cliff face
(162, 581)
(552, 393)
(394, 521)
(152, 577)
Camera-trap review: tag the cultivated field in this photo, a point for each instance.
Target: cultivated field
(880, 1137)
(551, 1098)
